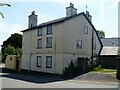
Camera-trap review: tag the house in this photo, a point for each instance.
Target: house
(50, 46)
(108, 56)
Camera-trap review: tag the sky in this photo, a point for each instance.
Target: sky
(104, 14)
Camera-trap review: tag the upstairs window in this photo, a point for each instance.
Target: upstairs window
(49, 42)
(39, 32)
(49, 29)
(39, 43)
(85, 30)
(39, 61)
(79, 44)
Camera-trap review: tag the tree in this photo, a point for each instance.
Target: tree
(14, 40)
(101, 33)
(4, 4)
(10, 50)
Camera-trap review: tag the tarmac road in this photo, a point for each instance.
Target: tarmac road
(17, 81)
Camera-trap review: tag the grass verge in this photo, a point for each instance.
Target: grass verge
(102, 70)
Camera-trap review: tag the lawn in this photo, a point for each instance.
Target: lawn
(102, 70)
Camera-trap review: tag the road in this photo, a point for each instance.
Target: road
(26, 80)
(8, 82)
(13, 83)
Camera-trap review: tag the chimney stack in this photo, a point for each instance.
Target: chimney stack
(71, 11)
(88, 16)
(32, 22)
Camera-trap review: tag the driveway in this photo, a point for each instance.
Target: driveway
(97, 77)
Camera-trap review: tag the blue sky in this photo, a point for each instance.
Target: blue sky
(104, 14)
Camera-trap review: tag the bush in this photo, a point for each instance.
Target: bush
(72, 70)
(97, 68)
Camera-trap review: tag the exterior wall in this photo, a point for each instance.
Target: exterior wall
(73, 30)
(30, 51)
(10, 62)
(64, 38)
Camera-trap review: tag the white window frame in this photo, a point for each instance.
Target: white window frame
(85, 30)
(39, 61)
(49, 29)
(48, 61)
(39, 43)
(79, 44)
(39, 31)
(94, 45)
(49, 42)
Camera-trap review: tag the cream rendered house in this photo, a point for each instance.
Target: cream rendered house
(49, 47)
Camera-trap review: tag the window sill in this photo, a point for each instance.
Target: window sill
(48, 67)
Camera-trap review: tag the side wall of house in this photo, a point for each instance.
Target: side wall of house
(73, 31)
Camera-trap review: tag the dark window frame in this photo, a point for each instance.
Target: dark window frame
(47, 44)
(49, 29)
(38, 43)
(47, 62)
(40, 61)
(39, 30)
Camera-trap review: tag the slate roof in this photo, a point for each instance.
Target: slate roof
(56, 21)
(111, 41)
(110, 46)
(109, 50)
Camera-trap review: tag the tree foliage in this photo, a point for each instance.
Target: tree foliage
(12, 45)
(10, 50)
(101, 33)
(14, 40)
(4, 4)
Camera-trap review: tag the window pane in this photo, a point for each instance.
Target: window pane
(39, 31)
(49, 61)
(49, 29)
(94, 45)
(49, 42)
(79, 44)
(85, 30)
(39, 61)
(39, 43)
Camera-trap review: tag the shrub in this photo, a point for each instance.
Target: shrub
(72, 70)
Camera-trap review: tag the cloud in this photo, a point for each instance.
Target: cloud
(7, 29)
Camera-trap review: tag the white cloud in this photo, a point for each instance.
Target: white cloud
(7, 29)
(10, 28)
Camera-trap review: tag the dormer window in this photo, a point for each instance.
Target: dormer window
(49, 29)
